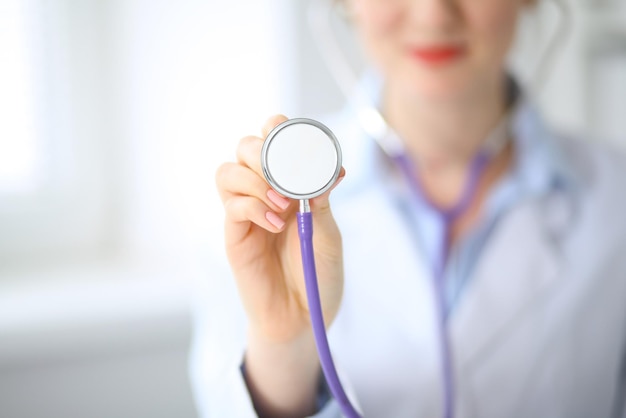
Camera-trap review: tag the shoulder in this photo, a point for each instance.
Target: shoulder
(600, 173)
(359, 153)
(600, 168)
(344, 125)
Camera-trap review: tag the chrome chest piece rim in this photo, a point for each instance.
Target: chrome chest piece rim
(301, 158)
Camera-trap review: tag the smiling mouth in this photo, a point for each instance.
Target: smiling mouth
(437, 55)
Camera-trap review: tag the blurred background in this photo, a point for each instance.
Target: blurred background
(113, 118)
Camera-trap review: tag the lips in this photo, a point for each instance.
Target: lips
(437, 54)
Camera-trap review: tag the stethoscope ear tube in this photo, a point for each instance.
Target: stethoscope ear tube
(305, 232)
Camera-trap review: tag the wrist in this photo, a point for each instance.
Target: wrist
(297, 356)
(282, 377)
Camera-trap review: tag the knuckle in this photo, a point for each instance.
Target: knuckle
(222, 174)
(247, 146)
(272, 122)
(241, 208)
(231, 206)
(275, 120)
(246, 141)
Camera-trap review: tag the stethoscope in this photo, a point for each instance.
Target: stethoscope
(301, 159)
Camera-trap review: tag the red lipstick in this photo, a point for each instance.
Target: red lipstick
(437, 54)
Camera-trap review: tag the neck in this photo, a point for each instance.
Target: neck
(444, 135)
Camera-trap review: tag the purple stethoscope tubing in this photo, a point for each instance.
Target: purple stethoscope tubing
(448, 216)
(305, 232)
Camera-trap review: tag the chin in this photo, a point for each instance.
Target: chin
(434, 85)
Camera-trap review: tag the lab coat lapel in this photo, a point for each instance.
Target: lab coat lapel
(395, 265)
(396, 268)
(496, 298)
(388, 312)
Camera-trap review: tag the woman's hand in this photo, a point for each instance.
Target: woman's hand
(263, 249)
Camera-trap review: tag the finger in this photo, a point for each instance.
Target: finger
(249, 148)
(241, 211)
(249, 153)
(235, 179)
(271, 123)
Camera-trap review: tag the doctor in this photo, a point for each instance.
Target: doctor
(535, 268)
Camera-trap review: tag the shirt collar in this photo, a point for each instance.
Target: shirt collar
(541, 164)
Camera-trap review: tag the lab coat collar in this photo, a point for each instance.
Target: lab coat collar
(540, 157)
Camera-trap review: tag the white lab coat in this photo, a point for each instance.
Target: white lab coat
(539, 331)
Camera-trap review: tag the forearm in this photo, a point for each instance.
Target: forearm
(282, 378)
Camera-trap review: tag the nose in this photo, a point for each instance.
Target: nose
(433, 15)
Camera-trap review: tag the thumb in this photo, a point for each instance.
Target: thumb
(321, 204)
(328, 237)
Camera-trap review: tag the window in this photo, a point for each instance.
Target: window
(131, 106)
(20, 152)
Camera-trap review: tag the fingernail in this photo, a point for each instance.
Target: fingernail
(275, 220)
(277, 199)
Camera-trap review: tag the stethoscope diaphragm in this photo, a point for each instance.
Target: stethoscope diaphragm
(301, 158)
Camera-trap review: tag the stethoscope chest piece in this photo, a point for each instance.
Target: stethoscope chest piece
(301, 158)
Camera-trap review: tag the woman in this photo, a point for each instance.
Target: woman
(531, 264)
